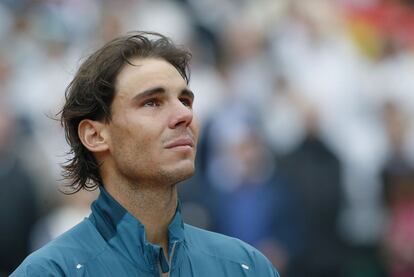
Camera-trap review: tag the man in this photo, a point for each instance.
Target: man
(129, 120)
(18, 193)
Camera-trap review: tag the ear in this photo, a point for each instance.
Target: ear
(93, 135)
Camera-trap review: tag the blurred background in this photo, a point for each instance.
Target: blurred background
(307, 108)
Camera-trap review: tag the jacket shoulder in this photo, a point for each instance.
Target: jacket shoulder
(64, 255)
(228, 249)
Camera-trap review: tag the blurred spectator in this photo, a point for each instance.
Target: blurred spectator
(18, 198)
(398, 178)
(315, 171)
(72, 210)
(247, 198)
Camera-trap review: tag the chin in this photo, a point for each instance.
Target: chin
(178, 174)
(185, 173)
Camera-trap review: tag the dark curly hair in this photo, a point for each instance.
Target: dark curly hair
(91, 92)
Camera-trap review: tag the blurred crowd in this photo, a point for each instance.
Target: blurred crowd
(307, 145)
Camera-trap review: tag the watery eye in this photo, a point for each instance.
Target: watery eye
(151, 103)
(186, 102)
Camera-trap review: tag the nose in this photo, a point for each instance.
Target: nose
(181, 115)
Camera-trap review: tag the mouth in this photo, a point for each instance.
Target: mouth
(181, 143)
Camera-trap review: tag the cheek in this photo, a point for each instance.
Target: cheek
(132, 153)
(137, 139)
(142, 144)
(195, 128)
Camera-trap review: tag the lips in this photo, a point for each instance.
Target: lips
(180, 142)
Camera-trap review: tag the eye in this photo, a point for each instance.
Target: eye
(187, 102)
(151, 103)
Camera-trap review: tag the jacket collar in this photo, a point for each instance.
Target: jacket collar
(126, 235)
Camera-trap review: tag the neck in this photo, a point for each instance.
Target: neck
(153, 206)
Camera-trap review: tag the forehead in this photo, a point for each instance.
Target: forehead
(148, 72)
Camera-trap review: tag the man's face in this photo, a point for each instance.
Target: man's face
(152, 132)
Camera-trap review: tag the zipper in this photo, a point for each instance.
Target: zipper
(169, 260)
(171, 257)
(159, 268)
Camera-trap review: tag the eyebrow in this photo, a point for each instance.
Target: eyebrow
(161, 90)
(187, 92)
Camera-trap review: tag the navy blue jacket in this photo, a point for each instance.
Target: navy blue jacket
(112, 242)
